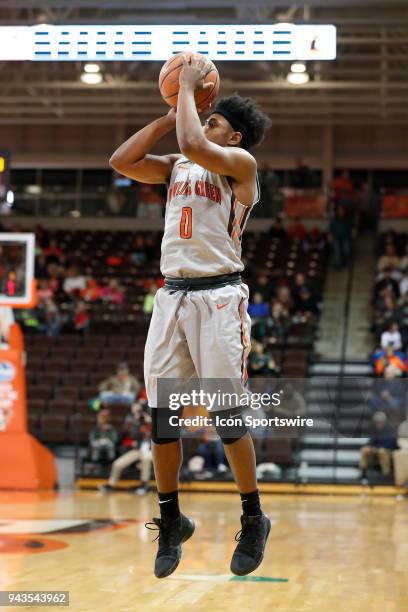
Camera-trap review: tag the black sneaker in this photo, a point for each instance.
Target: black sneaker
(251, 540)
(172, 534)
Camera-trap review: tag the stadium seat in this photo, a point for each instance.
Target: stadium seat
(53, 428)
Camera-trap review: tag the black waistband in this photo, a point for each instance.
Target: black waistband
(202, 282)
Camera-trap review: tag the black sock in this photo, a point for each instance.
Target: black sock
(169, 506)
(251, 504)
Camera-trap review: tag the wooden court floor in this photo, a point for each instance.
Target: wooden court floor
(325, 553)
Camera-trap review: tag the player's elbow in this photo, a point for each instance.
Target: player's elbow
(190, 146)
(113, 162)
(116, 163)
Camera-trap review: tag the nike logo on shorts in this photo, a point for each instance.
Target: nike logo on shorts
(164, 501)
(220, 306)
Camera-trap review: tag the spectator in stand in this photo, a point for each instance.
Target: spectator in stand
(277, 229)
(391, 337)
(41, 270)
(50, 318)
(211, 449)
(74, 282)
(135, 446)
(340, 233)
(284, 299)
(81, 318)
(260, 312)
(314, 241)
(386, 312)
(280, 321)
(44, 292)
(138, 255)
(296, 230)
(258, 307)
(112, 293)
(383, 358)
(403, 286)
(305, 305)
(53, 253)
(389, 261)
(92, 291)
(344, 195)
(380, 446)
(103, 438)
(55, 276)
(148, 301)
(263, 285)
(301, 176)
(298, 283)
(121, 388)
(388, 393)
(261, 363)
(387, 282)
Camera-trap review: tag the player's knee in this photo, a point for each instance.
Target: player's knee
(230, 426)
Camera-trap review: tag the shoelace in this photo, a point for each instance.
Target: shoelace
(157, 527)
(240, 536)
(167, 539)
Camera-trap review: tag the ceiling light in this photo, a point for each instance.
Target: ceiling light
(298, 67)
(298, 78)
(93, 68)
(91, 79)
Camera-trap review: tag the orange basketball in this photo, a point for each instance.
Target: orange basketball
(169, 82)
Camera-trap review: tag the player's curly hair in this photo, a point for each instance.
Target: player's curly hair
(245, 116)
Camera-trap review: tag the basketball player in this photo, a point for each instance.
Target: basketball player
(200, 327)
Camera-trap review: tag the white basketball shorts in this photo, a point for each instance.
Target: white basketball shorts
(198, 334)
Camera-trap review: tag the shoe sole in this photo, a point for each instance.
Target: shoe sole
(260, 560)
(177, 561)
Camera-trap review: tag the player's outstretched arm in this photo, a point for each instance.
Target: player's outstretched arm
(228, 161)
(132, 158)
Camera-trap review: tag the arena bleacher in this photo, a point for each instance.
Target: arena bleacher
(64, 370)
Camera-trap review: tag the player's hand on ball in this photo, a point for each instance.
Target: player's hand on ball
(193, 74)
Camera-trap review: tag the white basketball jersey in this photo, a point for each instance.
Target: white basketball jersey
(204, 223)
